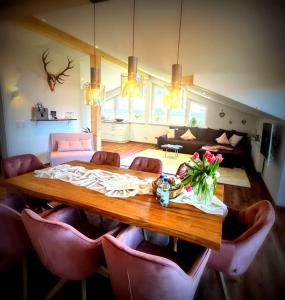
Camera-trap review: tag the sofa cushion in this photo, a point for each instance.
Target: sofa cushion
(229, 133)
(188, 135)
(212, 134)
(223, 139)
(170, 133)
(235, 139)
(244, 134)
(179, 130)
(69, 145)
(199, 133)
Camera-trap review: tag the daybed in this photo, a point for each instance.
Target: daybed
(71, 146)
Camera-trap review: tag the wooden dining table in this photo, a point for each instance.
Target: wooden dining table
(179, 221)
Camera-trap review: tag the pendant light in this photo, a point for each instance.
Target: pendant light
(175, 91)
(132, 83)
(94, 92)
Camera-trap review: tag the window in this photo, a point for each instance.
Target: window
(108, 109)
(122, 108)
(138, 109)
(158, 110)
(197, 114)
(177, 116)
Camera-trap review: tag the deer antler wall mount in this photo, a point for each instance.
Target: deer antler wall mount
(52, 79)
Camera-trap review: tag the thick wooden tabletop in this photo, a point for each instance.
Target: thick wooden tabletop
(187, 223)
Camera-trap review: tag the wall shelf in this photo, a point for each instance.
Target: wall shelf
(53, 120)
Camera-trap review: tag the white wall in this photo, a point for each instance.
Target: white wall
(263, 91)
(231, 114)
(22, 70)
(274, 167)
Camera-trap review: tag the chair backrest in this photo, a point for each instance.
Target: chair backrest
(62, 249)
(14, 241)
(106, 158)
(69, 136)
(146, 164)
(142, 276)
(235, 256)
(20, 164)
(182, 171)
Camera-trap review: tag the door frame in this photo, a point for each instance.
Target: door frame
(3, 140)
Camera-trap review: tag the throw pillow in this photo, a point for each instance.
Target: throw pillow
(235, 139)
(223, 139)
(170, 133)
(188, 135)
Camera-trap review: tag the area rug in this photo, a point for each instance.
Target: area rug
(171, 162)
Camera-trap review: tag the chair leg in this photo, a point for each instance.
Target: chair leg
(55, 289)
(25, 278)
(223, 286)
(83, 287)
(103, 271)
(144, 234)
(175, 240)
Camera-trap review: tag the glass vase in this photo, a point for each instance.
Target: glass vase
(206, 196)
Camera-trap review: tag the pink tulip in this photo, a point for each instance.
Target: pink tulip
(195, 156)
(219, 158)
(188, 188)
(211, 159)
(208, 153)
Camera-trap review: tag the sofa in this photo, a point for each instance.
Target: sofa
(238, 156)
(70, 146)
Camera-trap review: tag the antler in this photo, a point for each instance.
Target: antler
(44, 57)
(58, 76)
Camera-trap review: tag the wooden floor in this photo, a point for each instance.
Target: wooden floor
(265, 278)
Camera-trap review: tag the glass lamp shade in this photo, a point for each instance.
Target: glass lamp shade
(173, 96)
(131, 86)
(94, 94)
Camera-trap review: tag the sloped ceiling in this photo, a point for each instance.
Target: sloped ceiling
(233, 48)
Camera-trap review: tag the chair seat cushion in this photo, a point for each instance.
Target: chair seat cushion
(185, 256)
(89, 230)
(232, 227)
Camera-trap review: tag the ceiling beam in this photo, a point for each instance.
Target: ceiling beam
(69, 40)
(12, 9)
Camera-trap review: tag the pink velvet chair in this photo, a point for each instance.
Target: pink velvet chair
(20, 164)
(67, 245)
(244, 232)
(146, 164)
(106, 158)
(142, 271)
(14, 241)
(71, 146)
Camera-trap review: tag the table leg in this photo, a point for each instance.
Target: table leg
(175, 240)
(176, 151)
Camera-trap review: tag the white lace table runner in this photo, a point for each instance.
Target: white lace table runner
(108, 183)
(216, 207)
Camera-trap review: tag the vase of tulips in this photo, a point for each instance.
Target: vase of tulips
(202, 175)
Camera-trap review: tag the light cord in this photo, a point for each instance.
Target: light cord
(179, 31)
(94, 11)
(134, 15)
